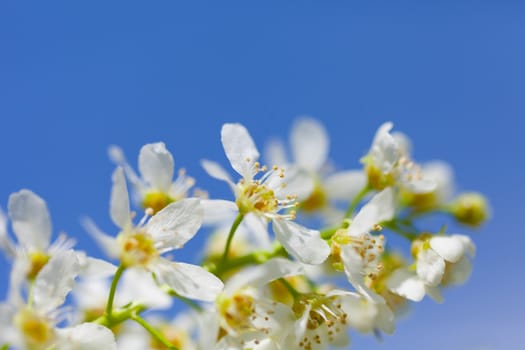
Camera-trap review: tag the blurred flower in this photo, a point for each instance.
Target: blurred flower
(388, 163)
(154, 188)
(309, 143)
(32, 227)
(34, 325)
(440, 260)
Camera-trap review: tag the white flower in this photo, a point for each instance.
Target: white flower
(140, 246)
(439, 260)
(34, 325)
(359, 251)
(243, 311)
(265, 196)
(441, 174)
(309, 143)
(154, 188)
(407, 284)
(388, 163)
(323, 320)
(445, 257)
(32, 227)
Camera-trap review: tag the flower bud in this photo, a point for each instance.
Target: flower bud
(470, 208)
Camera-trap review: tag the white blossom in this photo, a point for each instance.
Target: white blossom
(266, 196)
(155, 187)
(309, 143)
(140, 246)
(34, 325)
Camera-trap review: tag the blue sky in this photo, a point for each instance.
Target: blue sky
(76, 77)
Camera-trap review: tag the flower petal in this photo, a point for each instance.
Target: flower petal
(310, 144)
(354, 265)
(138, 286)
(176, 224)
(190, 281)
(345, 185)
(449, 248)
(17, 278)
(275, 153)
(380, 208)
(119, 201)
(85, 336)
(218, 211)
(468, 245)
(304, 244)
(240, 149)
(443, 175)
(258, 230)
(55, 280)
(107, 243)
(434, 293)
(362, 312)
(420, 185)
(216, 171)
(406, 284)
(5, 243)
(8, 333)
(30, 219)
(117, 156)
(430, 267)
(296, 182)
(248, 340)
(156, 165)
(459, 272)
(385, 150)
(95, 268)
(385, 320)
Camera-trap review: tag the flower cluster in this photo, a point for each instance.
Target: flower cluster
(296, 258)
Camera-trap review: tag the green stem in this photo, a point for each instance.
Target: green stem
(186, 301)
(5, 347)
(31, 295)
(111, 297)
(295, 294)
(329, 232)
(119, 315)
(355, 202)
(154, 332)
(234, 227)
(255, 258)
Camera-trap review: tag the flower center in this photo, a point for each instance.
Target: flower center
(377, 179)
(317, 200)
(156, 200)
(35, 328)
(258, 195)
(237, 310)
(136, 249)
(420, 202)
(368, 249)
(37, 261)
(326, 319)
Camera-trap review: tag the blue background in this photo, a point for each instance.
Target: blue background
(77, 76)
